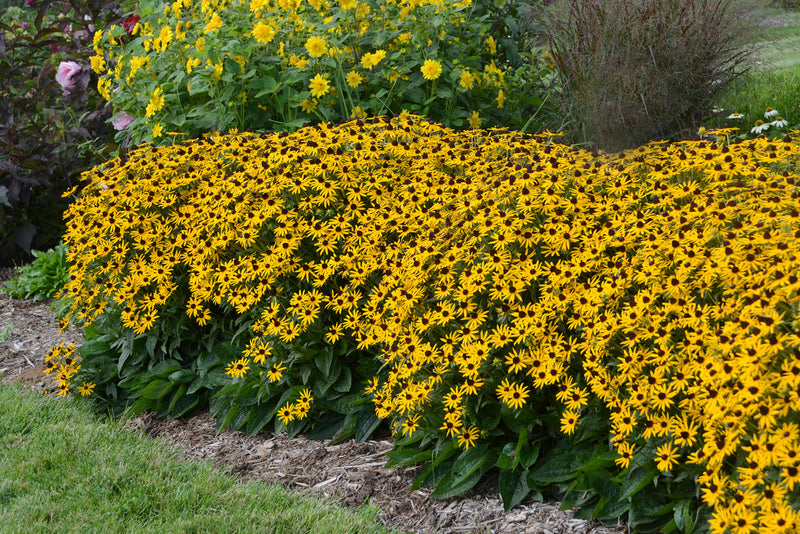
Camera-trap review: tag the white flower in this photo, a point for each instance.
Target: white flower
(780, 122)
(770, 113)
(760, 127)
(735, 116)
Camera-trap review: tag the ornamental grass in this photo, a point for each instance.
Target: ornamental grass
(510, 298)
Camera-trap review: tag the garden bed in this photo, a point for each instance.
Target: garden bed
(351, 472)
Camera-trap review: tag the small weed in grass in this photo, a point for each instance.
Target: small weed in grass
(63, 470)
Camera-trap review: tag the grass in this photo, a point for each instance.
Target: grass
(779, 46)
(63, 469)
(774, 81)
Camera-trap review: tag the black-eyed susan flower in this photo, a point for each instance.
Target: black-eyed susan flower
(238, 368)
(468, 437)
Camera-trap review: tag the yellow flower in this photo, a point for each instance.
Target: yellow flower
(625, 451)
(104, 88)
(286, 414)
(238, 368)
(569, 421)
(156, 102)
(98, 64)
(348, 4)
(474, 120)
(467, 80)
(368, 61)
(468, 437)
(666, 457)
(490, 42)
(308, 106)
(263, 33)
(411, 424)
(200, 44)
(191, 63)
(276, 372)
(431, 69)
(214, 24)
(353, 78)
(517, 396)
(86, 388)
(316, 46)
(157, 129)
(501, 99)
(162, 41)
(319, 85)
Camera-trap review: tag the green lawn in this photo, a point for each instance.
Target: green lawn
(779, 42)
(63, 469)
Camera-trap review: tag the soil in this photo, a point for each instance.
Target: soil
(350, 473)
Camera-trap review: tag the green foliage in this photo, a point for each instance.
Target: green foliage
(634, 71)
(189, 68)
(43, 277)
(47, 136)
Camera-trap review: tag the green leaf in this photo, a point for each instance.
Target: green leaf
(323, 361)
(182, 376)
(451, 486)
(556, 469)
(157, 389)
(469, 461)
(637, 479)
(150, 345)
(178, 395)
(231, 66)
(513, 487)
(327, 426)
(268, 86)
(185, 405)
(407, 457)
(507, 458)
(609, 509)
(347, 430)
(444, 92)
(95, 347)
(305, 373)
(142, 405)
(528, 454)
(345, 380)
(197, 86)
(366, 424)
(165, 368)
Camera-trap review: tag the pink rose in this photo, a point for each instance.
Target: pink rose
(66, 71)
(120, 122)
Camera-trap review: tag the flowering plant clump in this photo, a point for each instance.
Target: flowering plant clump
(192, 67)
(770, 124)
(621, 330)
